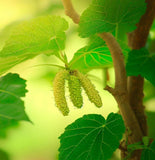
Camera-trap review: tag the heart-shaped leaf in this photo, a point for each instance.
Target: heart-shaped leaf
(12, 88)
(88, 58)
(91, 138)
(149, 152)
(42, 35)
(141, 62)
(109, 15)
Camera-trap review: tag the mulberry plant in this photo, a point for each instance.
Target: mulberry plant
(75, 91)
(59, 91)
(76, 80)
(117, 35)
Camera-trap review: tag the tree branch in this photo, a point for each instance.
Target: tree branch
(137, 40)
(70, 11)
(118, 61)
(120, 92)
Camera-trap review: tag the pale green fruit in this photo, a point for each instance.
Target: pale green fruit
(75, 91)
(89, 88)
(59, 91)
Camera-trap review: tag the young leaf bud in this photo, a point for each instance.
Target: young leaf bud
(75, 91)
(90, 90)
(59, 91)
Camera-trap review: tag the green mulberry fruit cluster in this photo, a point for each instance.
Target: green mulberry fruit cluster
(59, 91)
(90, 90)
(75, 91)
(75, 81)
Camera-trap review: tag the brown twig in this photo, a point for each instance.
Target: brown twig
(70, 11)
(123, 146)
(118, 61)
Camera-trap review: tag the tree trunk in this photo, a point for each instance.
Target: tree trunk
(137, 40)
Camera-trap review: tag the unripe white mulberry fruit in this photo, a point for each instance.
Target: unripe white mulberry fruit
(75, 91)
(59, 91)
(89, 88)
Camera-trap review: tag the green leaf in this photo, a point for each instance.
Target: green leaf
(7, 124)
(95, 41)
(135, 146)
(109, 15)
(42, 35)
(153, 26)
(151, 121)
(140, 62)
(4, 155)
(149, 152)
(146, 140)
(9, 62)
(149, 91)
(95, 55)
(5, 33)
(91, 138)
(12, 88)
(88, 58)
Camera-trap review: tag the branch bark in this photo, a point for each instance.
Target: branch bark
(120, 92)
(70, 11)
(137, 40)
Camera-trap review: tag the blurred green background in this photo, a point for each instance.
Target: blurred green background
(39, 141)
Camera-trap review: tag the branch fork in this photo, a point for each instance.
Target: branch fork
(120, 91)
